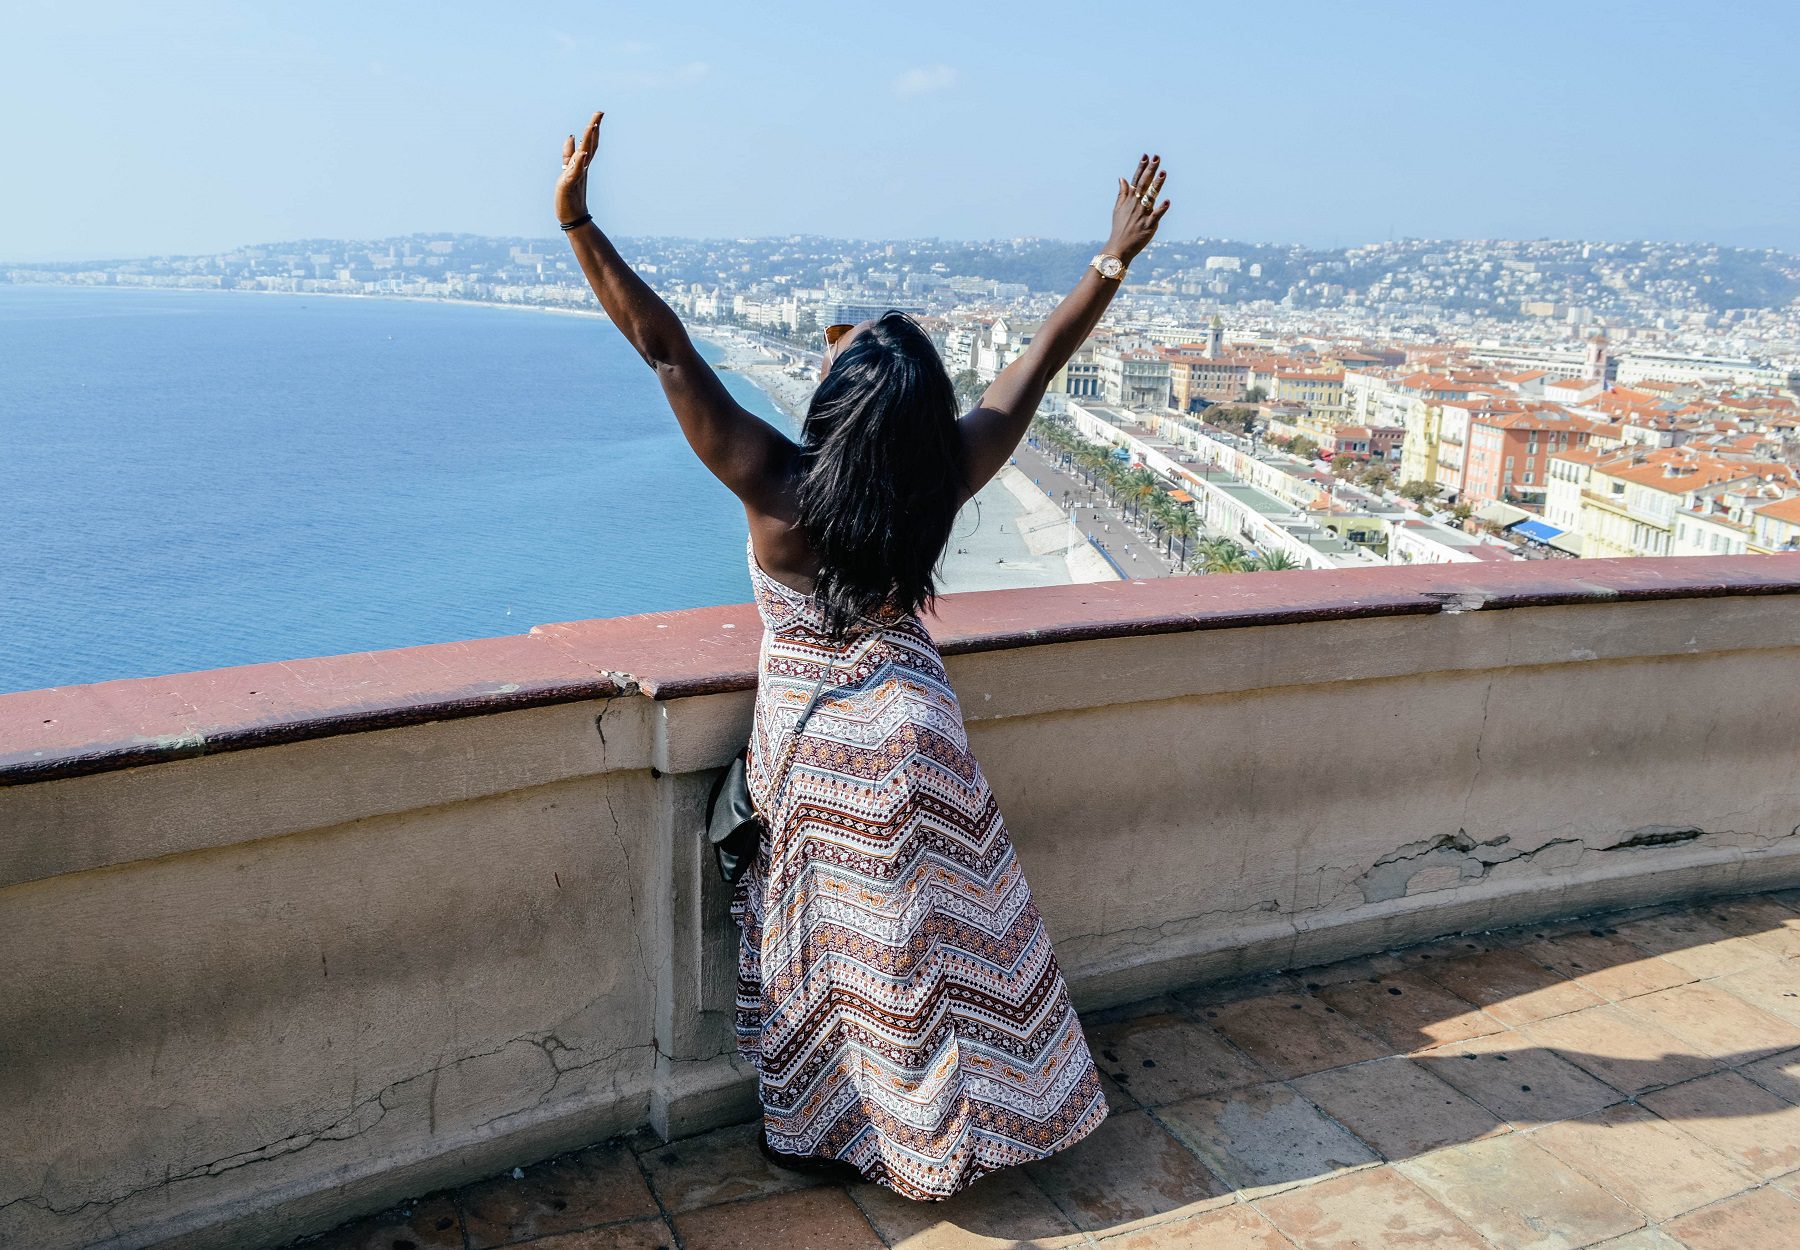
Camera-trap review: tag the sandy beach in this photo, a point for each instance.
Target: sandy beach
(1010, 535)
(790, 394)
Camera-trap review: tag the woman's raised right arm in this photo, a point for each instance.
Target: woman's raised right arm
(742, 450)
(994, 427)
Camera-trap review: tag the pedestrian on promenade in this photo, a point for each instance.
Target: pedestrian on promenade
(897, 993)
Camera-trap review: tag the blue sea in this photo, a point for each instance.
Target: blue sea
(190, 480)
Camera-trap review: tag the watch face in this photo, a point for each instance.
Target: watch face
(1110, 266)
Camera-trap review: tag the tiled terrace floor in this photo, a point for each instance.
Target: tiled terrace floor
(1628, 1081)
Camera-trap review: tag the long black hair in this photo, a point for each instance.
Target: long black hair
(882, 474)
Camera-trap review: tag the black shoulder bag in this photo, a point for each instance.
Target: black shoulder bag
(733, 825)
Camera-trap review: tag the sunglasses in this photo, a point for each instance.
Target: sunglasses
(836, 332)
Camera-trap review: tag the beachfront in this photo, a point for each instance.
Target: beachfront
(1009, 535)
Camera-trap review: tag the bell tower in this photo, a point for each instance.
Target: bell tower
(1599, 360)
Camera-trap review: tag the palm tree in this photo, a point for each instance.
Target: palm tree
(1223, 555)
(1156, 513)
(1140, 486)
(1093, 463)
(1111, 478)
(1182, 527)
(1271, 561)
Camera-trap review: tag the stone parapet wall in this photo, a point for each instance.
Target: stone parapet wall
(290, 942)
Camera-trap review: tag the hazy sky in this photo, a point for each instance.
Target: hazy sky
(134, 129)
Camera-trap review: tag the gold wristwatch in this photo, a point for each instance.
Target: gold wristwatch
(1109, 266)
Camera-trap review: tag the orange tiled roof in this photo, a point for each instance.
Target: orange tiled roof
(1782, 509)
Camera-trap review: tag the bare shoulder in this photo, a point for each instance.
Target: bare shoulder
(776, 539)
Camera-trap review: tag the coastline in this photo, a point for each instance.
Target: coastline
(789, 394)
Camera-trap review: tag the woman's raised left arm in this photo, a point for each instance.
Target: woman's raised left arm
(742, 450)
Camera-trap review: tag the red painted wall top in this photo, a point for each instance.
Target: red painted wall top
(68, 731)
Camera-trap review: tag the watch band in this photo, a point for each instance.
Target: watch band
(1094, 264)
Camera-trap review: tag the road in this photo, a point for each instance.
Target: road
(1132, 550)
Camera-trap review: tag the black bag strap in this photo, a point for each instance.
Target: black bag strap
(793, 743)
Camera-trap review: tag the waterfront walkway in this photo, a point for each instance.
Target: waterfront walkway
(1139, 557)
(1628, 1081)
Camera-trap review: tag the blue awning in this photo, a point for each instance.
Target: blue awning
(1537, 531)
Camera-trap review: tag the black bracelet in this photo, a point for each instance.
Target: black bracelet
(578, 222)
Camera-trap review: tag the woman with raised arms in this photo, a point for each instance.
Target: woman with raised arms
(897, 991)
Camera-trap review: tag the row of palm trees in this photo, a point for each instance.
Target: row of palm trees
(1141, 494)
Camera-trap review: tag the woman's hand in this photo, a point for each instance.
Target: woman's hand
(1134, 222)
(571, 188)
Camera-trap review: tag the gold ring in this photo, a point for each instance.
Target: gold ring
(1146, 200)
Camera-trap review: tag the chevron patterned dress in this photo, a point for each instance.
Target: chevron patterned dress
(897, 992)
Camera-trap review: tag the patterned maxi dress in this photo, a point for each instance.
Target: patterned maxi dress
(896, 989)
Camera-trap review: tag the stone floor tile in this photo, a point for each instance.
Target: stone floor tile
(1738, 1118)
(1627, 1052)
(720, 1166)
(821, 1218)
(1374, 1209)
(1160, 1058)
(1428, 954)
(1357, 968)
(1763, 1219)
(1607, 964)
(1774, 987)
(1643, 1239)
(1407, 1010)
(1692, 942)
(1643, 1161)
(432, 1223)
(1160, 1005)
(1552, 930)
(652, 1234)
(1264, 1137)
(1516, 1078)
(1397, 1107)
(1292, 1034)
(1239, 1227)
(1779, 1074)
(600, 1185)
(1511, 986)
(1001, 1209)
(1763, 920)
(1127, 1172)
(1520, 1196)
(641, 1139)
(1646, 912)
(1118, 1097)
(1212, 993)
(1716, 1021)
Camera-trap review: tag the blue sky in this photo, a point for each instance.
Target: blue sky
(135, 129)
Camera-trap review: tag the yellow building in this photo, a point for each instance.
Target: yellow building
(1631, 506)
(1419, 448)
(1321, 391)
(1775, 527)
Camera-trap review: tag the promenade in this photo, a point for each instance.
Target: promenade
(1619, 1082)
(986, 551)
(1139, 556)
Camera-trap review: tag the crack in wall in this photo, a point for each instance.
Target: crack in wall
(1480, 733)
(631, 886)
(363, 1116)
(1163, 929)
(1469, 859)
